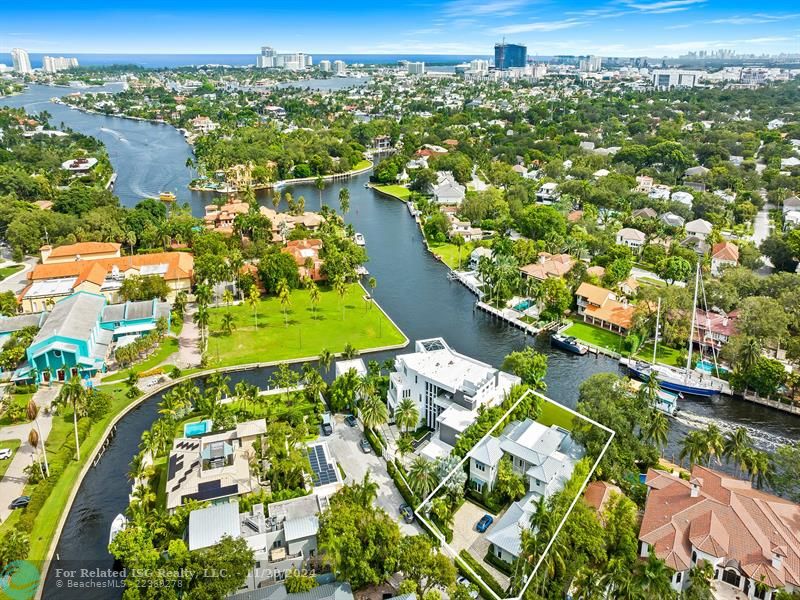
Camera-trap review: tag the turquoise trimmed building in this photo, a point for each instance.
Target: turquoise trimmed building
(75, 338)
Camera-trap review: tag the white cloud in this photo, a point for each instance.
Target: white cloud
(753, 19)
(501, 8)
(665, 6)
(538, 26)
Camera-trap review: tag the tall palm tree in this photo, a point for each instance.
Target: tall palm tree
(715, 441)
(313, 295)
(344, 200)
(749, 353)
(33, 415)
(759, 465)
(422, 476)
(33, 440)
(74, 395)
(373, 411)
(325, 359)
(254, 299)
(407, 414)
(695, 448)
(341, 289)
(654, 578)
(656, 431)
(367, 490)
(736, 446)
(201, 319)
(319, 183)
(285, 298)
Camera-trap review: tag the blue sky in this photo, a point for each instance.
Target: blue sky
(615, 28)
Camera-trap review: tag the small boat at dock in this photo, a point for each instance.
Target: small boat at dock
(567, 343)
(118, 524)
(359, 239)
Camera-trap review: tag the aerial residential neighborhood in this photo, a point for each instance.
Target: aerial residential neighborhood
(451, 301)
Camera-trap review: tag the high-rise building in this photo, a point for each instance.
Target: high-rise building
(667, 79)
(339, 67)
(479, 65)
(270, 59)
(591, 64)
(54, 64)
(510, 56)
(22, 62)
(325, 65)
(415, 68)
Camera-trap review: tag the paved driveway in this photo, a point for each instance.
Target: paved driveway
(464, 521)
(17, 281)
(344, 444)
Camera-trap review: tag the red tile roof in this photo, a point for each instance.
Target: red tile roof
(728, 519)
(84, 249)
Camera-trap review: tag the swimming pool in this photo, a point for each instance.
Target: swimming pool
(707, 366)
(523, 306)
(197, 429)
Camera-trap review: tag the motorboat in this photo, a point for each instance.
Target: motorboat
(118, 524)
(359, 239)
(567, 343)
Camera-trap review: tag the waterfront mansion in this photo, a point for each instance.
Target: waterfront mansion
(448, 389)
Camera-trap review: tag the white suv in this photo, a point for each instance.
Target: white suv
(5, 453)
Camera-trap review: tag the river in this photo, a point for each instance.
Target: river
(412, 287)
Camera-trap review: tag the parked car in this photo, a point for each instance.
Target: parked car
(20, 502)
(351, 420)
(473, 592)
(484, 523)
(365, 447)
(327, 424)
(407, 512)
(5, 453)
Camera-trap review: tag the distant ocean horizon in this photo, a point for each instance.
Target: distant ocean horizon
(154, 61)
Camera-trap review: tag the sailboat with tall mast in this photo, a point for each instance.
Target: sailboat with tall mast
(676, 379)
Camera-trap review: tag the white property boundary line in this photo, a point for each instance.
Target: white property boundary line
(449, 548)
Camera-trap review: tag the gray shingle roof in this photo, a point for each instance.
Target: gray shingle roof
(73, 317)
(11, 324)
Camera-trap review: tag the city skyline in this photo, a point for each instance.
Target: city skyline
(618, 28)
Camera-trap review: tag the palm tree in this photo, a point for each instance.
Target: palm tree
(227, 325)
(201, 319)
(736, 446)
(759, 465)
(313, 295)
(749, 353)
(422, 476)
(33, 440)
(373, 411)
(404, 445)
(341, 290)
(657, 429)
(654, 578)
(253, 299)
(33, 414)
(319, 183)
(367, 491)
(285, 298)
(344, 200)
(715, 441)
(325, 360)
(74, 395)
(695, 448)
(407, 414)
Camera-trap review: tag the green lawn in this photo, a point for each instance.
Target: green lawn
(651, 281)
(398, 191)
(46, 520)
(168, 346)
(10, 270)
(18, 402)
(335, 323)
(665, 355)
(362, 164)
(13, 444)
(553, 414)
(595, 335)
(449, 253)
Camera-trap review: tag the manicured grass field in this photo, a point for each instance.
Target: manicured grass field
(46, 520)
(595, 335)
(168, 346)
(331, 325)
(17, 401)
(398, 191)
(362, 164)
(13, 445)
(553, 414)
(10, 270)
(651, 281)
(665, 355)
(449, 253)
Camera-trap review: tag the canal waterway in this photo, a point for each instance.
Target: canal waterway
(412, 287)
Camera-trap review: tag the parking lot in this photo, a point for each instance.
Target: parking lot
(344, 443)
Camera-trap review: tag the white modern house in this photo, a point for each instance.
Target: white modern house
(632, 238)
(447, 387)
(548, 192)
(544, 456)
(447, 190)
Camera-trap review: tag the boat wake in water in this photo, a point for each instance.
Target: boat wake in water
(764, 440)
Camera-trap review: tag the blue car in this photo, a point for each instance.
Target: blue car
(484, 523)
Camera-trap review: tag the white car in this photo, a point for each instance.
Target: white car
(5, 453)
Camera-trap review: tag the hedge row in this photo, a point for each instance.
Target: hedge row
(373, 441)
(406, 492)
(499, 563)
(482, 573)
